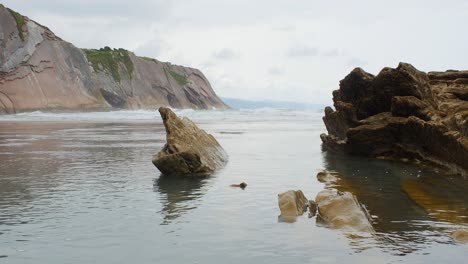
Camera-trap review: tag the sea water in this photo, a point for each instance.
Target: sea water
(81, 188)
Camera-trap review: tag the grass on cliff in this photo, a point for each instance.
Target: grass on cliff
(179, 78)
(19, 21)
(149, 59)
(108, 60)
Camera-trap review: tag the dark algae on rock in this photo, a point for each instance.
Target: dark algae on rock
(403, 114)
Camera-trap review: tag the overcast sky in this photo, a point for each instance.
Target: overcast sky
(265, 49)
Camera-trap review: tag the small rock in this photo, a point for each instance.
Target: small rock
(292, 203)
(342, 210)
(460, 235)
(312, 208)
(241, 185)
(326, 177)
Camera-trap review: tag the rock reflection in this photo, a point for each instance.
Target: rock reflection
(410, 208)
(179, 194)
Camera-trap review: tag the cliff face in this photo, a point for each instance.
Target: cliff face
(402, 114)
(40, 71)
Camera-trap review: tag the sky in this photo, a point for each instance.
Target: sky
(289, 50)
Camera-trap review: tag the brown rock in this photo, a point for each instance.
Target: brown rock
(342, 210)
(326, 177)
(292, 203)
(402, 114)
(312, 208)
(189, 150)
(460, 235)
(241, 185)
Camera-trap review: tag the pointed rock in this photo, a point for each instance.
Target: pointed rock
(189, 150)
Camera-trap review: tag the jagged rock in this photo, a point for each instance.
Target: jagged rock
(292, 203)
(342, 210)
(402, 114)
(189, 150)
(460, 235)
(40, 71)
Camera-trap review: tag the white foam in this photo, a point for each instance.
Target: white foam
(262, 114)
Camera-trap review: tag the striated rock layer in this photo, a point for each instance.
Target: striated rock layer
(40, 71)
(402, 114)
(189, 150)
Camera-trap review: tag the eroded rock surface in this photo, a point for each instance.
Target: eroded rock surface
(342, 210)
(40, 71)
(402, 114)
(292, 203)
(189, 150)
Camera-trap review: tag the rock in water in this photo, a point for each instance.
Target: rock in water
(460, 235)
(402, 114)
(342, 210)
(189, 150)
(292, 203)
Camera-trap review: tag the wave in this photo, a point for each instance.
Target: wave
(260, 114)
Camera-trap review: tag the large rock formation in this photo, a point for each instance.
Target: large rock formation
(189, 150)
(342, 210)
(402, 114)
(40, 71)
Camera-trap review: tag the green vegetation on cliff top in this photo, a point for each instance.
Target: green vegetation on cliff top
(148, 59)
(19, 21)
(108, 60)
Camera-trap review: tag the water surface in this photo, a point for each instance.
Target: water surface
(81, 188)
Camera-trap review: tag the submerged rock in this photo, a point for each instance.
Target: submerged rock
(189, 150)
(402, 114)
(460, 235)
(292, 203)
(342, 210)
(326, 177)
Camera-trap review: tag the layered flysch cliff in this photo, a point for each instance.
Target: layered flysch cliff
(402, 114)
(40, 71)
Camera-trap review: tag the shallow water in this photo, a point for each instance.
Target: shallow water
(81, 188)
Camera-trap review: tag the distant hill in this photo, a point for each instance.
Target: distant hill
(251, 104)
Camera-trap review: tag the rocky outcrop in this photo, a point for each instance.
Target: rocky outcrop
(342, 210)
(402, 114)
(40, 71)
(292, 203)
(189, 150)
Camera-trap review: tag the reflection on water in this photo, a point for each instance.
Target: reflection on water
(410, 208)
(180, 194)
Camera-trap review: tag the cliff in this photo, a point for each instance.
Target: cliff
(402, 114)
(40, 71)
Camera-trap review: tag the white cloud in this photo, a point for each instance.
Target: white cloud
(225, 54)
(302, 51)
